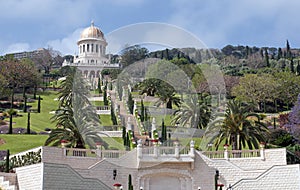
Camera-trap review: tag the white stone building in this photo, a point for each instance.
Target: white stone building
(156, 168)
(91, 58)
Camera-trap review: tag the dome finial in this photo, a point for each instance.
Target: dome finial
(92, 23)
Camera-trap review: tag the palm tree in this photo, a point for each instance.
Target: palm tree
(78, 126)
(76, 118)
(193, 112)
(237, 127)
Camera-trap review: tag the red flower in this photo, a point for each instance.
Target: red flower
(64, 141)
(226, 145)
(220, 185)
(117, 185)
(154, 140)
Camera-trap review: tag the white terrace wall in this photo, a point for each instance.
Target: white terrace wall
(272, 157)
(30, 177)
(277, 178)
(57, 155)
(235, 169)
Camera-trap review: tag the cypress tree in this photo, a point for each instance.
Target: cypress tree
(142, 111)
(25, 104)
(298, 68)
(288, 50)
(279, 55)
(124, 135)
(292, 68)
(10, 130)
(130, 186)
(28, 123)
(99, 86)
(130, 102)
(105, 97)
(39, 105)
(113, 115)
(267, 57)
(163, 131)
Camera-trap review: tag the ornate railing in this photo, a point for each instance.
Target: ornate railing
(233, 154)
(75, 152)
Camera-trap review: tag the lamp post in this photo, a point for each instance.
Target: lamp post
(216, 179)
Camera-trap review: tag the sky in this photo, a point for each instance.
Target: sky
(31, 24)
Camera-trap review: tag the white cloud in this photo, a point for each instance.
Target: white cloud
(67, 45)
(151, 34)
(17, 47)
(218, 22)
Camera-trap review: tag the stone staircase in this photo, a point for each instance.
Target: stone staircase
(5, 185)
(127, 116)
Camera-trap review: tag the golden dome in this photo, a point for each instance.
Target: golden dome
(92, 32)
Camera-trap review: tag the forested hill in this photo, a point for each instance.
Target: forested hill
(238, 60)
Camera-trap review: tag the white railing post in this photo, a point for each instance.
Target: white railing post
(226, 155)
(192, 149)
(262, 151)
(155, 150)
(176, 149)
(139, 149)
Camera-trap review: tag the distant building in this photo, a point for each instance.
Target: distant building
(91, 58)
(27, 54)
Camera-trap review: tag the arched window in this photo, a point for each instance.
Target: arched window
(87, 47)
(92, 61)
(96, 48)
(92, 47)
(83, 47)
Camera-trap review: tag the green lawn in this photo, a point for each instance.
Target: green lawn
(39, 121)
(105, 120)
(19, 143)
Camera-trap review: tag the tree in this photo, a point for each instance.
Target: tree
(130, 186)
(130, 102)
(192, 113)
(293, 125)
(76, 119)
(132, 54)
(39, 105)
(252, 89)
(292, 68)
(237, 127)
(142, 116)
(46, 58)
(113, 115)
(28, 123)
(163, 131)
(279, 55)
(99, 85)
(288, 50)
(267, 57)
(11, 112)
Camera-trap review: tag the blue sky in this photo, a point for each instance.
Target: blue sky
(31, 24)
